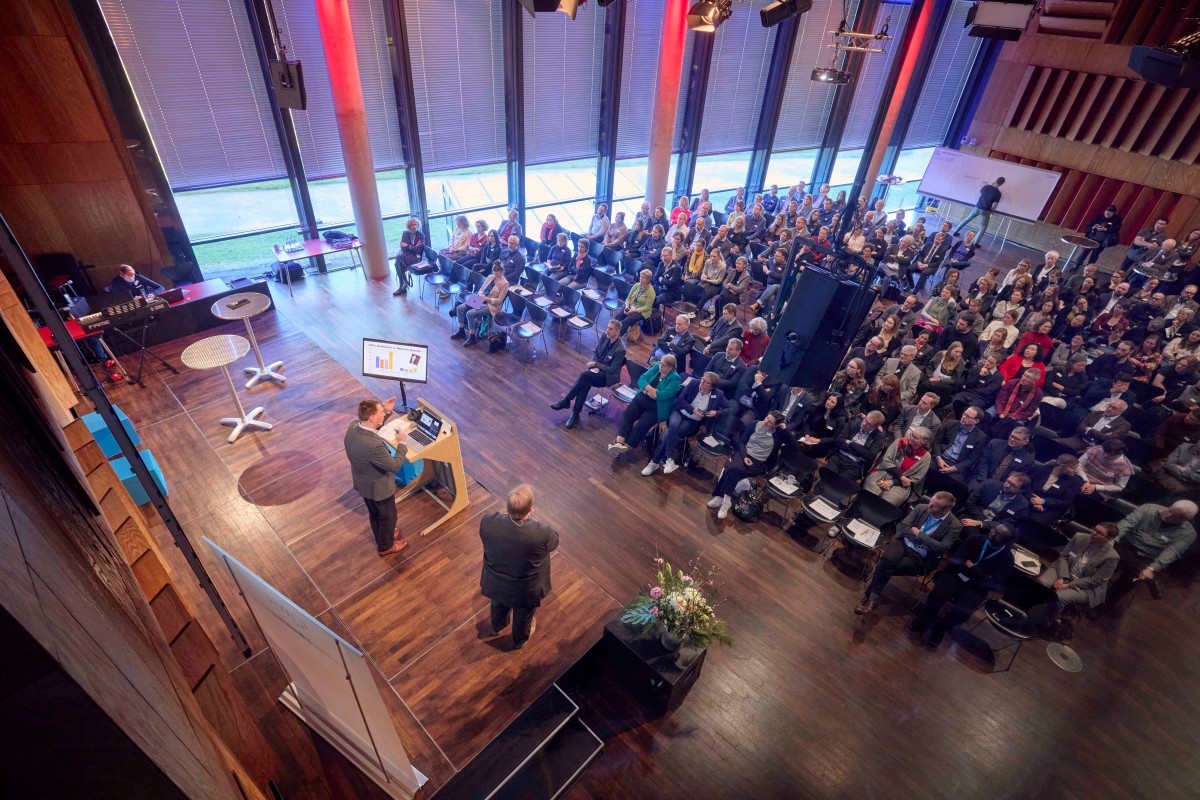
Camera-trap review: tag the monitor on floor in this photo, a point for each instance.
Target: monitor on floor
(395, 360)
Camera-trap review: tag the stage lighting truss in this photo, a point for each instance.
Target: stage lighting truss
(850, 41)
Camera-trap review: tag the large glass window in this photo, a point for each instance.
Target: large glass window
(736, 81)
(948, 71)
(868, 93)
(458, 76)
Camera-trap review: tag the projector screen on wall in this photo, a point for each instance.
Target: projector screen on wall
(957, 176)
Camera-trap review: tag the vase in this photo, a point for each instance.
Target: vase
(669, 641)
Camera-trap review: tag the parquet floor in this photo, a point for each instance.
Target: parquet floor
(811, 701)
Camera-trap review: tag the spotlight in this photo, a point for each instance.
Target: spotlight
(775, 13)
(830, 75)
(1176, 64)
(706, 17)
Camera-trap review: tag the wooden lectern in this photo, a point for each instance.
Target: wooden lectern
(446, 450)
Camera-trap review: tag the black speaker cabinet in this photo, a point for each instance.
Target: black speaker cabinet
(289, 84)
(814, 332)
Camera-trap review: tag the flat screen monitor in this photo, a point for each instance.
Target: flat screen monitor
(398, 361)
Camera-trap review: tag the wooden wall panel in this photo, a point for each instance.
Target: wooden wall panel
(67, 182)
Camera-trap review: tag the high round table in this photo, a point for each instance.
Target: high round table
(256, 303)
(1077, 241)
(218, 352)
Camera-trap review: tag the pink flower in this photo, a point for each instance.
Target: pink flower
(687, 578)
(654, 611)
(658, 561)
(656, 592)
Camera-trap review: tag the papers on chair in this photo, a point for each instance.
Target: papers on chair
(863, 533)
(711, 441)
(578, 322)
(596, 402)
(784, 486)
(1026, 561)
(626, 393)
(820, 507)
(592, 294)
(560, 313)
(544, 302)
(530, 328)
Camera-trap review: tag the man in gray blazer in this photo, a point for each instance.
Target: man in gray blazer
(516, 564)
(908, 373)
(921, 538)
(920, 415)
(373, 466)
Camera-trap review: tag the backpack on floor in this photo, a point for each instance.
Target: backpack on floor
(497, 341)
(748, 506)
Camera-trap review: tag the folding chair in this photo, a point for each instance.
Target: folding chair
(697, 362)
(863, 526)
(829, 497)
(785, 483)
(625, 392)
(580, 323)
(1010, 621)
(533, 327)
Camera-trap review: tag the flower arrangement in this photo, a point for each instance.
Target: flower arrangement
(682, 603)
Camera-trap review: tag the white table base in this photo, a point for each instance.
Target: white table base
(263, 371)
(240, 423)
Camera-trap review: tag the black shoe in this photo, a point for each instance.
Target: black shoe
(935, 638)
(461, 334)
(571, 421)
(400, 291)
(450, 313)
(471, 340)
(560, 405)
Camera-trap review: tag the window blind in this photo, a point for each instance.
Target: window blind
(639, 73)
(316, 126)
(198, 83)
(563, 62)
(952, 62)
(868, 95)
(807, 103)
(736, 81)
(458, 75)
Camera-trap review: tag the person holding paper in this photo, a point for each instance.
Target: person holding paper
(989, 197)
(374, 462)
(697, 405)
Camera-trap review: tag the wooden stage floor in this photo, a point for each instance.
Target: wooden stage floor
(812, 701)
(280, 501)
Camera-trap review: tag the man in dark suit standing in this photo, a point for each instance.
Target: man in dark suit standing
(516, 564)
(373, 466)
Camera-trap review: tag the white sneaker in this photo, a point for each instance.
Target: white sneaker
(616, 448)
(723, 511)
(670, 466)
(649, 468)
(716, 501)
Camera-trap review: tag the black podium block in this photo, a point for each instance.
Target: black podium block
(660, 677)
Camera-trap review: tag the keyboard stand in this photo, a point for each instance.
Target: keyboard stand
(140, 343)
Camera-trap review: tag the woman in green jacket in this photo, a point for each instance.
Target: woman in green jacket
(651, 405)
(638, 304)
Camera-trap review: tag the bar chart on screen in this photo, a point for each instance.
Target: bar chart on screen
(395, 360)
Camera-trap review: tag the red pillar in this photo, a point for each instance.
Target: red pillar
(666, 100)
(922, 23)
(337, 39)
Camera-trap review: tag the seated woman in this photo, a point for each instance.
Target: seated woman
(737, 281)
(937, 311)
(755, 341)
(945, 372)
(851, 385)
(712, 278)
(581, 271)
(657, 389)
(773, 283)
(824, 421)
(1028, 358)
(697, 407)
(549, 237)
(899, 257)
(638, 236)
(1105, 469)
(488, 254)
(614, 237)
(494, 291)
(855, 240)
(460, 240)
(412, 252)
(961, 253)
(1006, 327)
(884, 397)
(1015, 303)
(900, 473)
(476, 243)
(1039, 337)
(950, 282)
(639, 303)
(1081, 574)
(758, 444)
(559, 258)
(739, 239)
(668, 279)
(681, 213)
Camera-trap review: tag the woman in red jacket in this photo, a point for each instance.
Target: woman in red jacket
(1028, 357)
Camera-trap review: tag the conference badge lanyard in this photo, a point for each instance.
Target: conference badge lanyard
(984, 555)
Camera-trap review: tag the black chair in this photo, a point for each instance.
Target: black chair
(697, 362)
(829, 498)
(1056, 419)
(1042, 540)
(1091, 509)
(1144, 392)
(581, 322)
(797, 465)
(1009, 620)
(604, 282)
(604, 402)
(1138, 449)
(531, 328)
(507, 319)
(864, 525)
(595, 249)
(1047, 449)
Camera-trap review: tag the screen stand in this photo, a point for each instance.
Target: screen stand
(404, 408)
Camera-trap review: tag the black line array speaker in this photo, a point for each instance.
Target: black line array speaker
(289, 84)
(815, 329)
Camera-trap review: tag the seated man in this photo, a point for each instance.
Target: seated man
(959, 444)
(603, 370)
(697, 405)
(725, 328)
(754, 396)
(928, 531)
(729, 367)
(758, 444)
(903, 368)
(513, 261)
(1105, 469)
(1017, 403)
(129, 284)
(857, 447)
(1052, 489)
(995, 502)
(1149, 540)
(657, 390)
(1180, 473)
(1081, 574)
(1002, 456)
(678, 341)
(1100, 426)
(900, 473)
(980, 386)
(917, 416)
(494, 291)
(978, 568)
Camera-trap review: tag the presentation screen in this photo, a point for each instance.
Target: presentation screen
(395, 360)
(957, 176)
